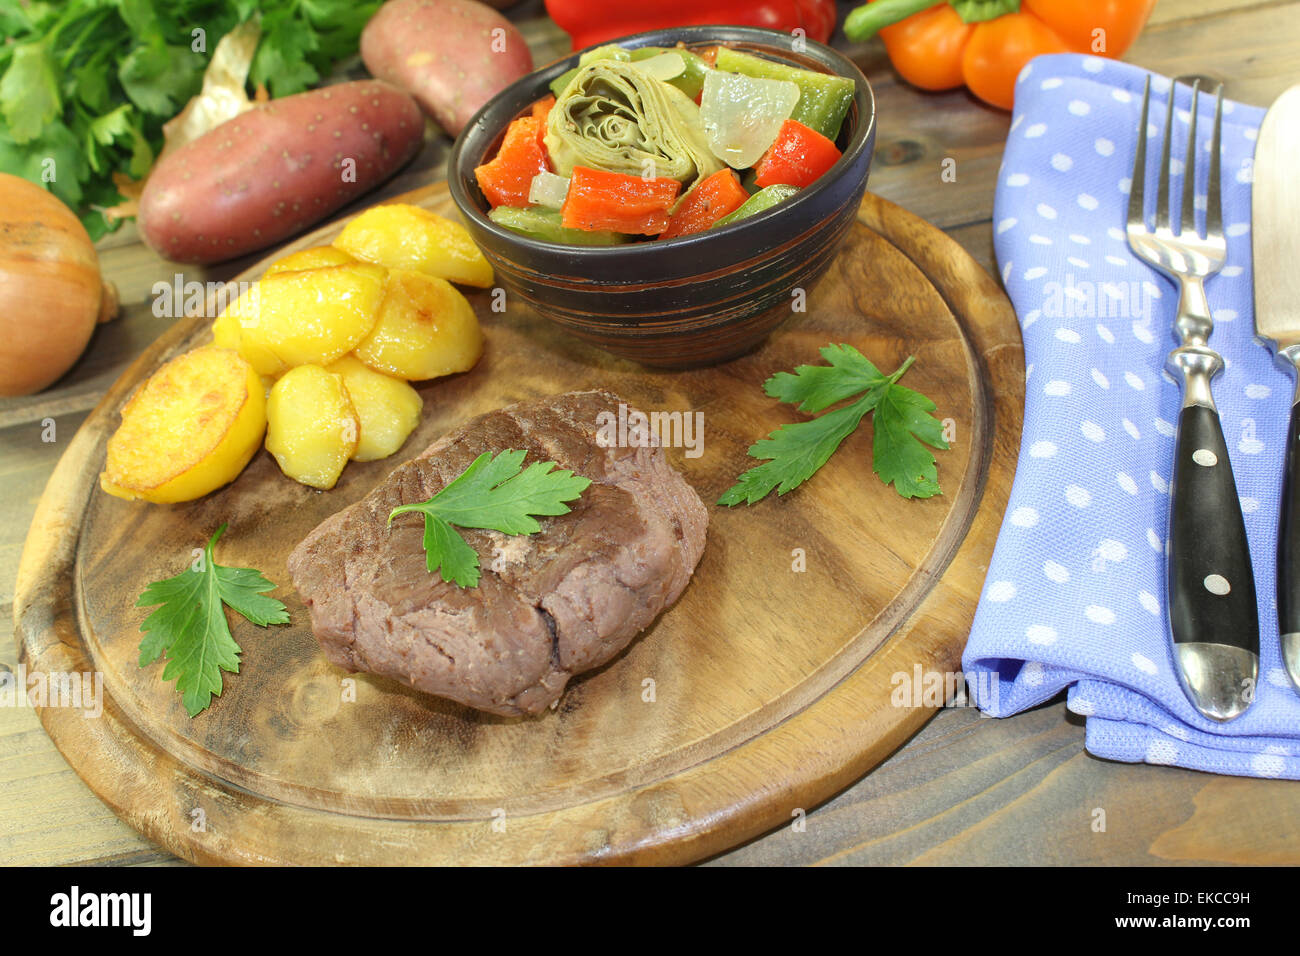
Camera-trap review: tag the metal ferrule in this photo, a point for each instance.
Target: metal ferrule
(1194, 361)
(1196, 365)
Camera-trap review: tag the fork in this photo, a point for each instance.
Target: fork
(1209, 582)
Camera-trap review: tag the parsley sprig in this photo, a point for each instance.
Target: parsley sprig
(793, 453)
(492, 493)
(191, 629)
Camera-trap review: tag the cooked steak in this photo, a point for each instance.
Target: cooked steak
(548, 605)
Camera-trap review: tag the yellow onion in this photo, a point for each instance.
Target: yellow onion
(51, 293)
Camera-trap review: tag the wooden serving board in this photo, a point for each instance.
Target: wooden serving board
(763, 691)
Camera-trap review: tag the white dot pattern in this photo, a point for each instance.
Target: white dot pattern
(1075, 592)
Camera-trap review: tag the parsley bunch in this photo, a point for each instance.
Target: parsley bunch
(795, 452)
(86, 85)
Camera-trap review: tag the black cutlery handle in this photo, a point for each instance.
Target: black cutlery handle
(1288, 536)
(1211, 582)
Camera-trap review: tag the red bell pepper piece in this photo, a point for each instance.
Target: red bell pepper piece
(542, 111)
(590, 22)
(542, 108)
(797, 158)
(714, 197)
(600, 200)
(505, 180)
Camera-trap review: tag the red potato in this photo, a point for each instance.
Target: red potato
(452, 55)
(269, 173)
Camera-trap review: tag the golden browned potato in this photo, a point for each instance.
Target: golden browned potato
(188, 430)
(228, 333)
(387, 408)
(426, 328)
(317, 257)
(312, 426)
(401, 236)
(314, 316)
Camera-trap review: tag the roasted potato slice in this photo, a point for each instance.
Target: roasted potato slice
(314, 316)
(188, 430)
(387, 408)
(401, 236)
(317, 257)
(228, 333)
(426, 328)
(312, 426)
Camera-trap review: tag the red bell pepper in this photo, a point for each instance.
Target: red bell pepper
(542, 108)
(591, 22)
(542, 111)
(714, 197)
(600, 200)
(505, 181)
(797, 157)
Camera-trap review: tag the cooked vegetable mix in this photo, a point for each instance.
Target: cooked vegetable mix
(661, 143)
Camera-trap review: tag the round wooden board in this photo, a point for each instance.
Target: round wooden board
(761, 693)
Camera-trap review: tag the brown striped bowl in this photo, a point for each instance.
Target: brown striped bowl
(692, 301)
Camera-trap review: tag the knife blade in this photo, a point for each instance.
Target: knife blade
(1275, 247)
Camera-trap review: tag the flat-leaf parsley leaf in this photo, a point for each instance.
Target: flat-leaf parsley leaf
(191, 629)
(492, 493)
(793, 453)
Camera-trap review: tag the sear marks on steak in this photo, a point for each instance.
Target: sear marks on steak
(548, 606)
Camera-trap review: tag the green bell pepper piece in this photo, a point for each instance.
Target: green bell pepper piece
(545, 224)
(761, 201)
(824, 99)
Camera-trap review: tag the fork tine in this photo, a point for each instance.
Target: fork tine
(1136, 201)
(1164, 210)
(1213, 198)
(1187, 220)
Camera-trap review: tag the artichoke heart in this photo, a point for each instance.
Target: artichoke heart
(614, 116)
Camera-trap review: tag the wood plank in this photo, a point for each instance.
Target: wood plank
(26, 461)
(48, 817)
(1253, 50)
(972, 791)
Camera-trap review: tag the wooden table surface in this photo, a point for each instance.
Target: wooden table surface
(964, 790)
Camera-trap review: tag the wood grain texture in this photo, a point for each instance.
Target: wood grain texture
(772, 687)
(963, 790)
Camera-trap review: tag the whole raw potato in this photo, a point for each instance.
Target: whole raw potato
(270, 172)
(452, 55)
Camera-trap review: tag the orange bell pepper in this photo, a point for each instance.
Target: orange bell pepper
(714, 197)
(505, 181)
(599, 201)
(984, 44)
(798, 157)
(542, 113)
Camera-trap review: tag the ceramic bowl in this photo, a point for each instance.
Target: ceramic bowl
(692, 301)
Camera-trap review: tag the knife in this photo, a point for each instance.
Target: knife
(1275, 229)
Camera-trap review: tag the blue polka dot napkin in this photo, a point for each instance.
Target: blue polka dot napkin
(1075, 593)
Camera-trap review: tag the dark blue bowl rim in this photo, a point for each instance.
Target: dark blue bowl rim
(862, 138)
